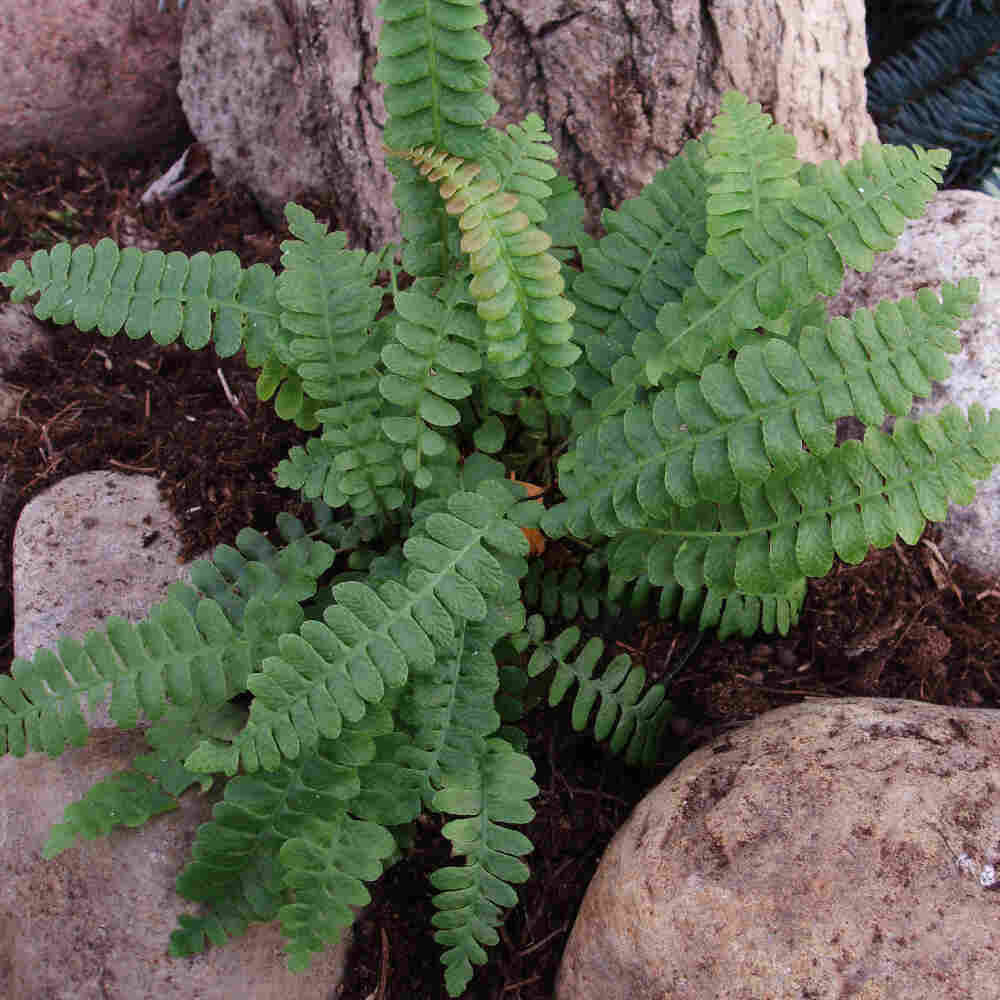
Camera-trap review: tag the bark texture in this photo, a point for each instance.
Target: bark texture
(281, 91)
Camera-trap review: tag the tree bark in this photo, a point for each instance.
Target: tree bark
(282, 92)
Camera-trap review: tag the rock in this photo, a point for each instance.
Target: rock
(93, 545)
(285, 101)
(954, 239)
(94, 922)
(830, 849)
(88, 75)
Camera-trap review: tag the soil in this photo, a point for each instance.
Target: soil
(906, 623)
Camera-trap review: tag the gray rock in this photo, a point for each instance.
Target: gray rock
(94, 922)
(94, 545)
(830, 849)
(285, 101)
(956, 238)
(88, 75)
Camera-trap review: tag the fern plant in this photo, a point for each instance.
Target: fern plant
(375, 663)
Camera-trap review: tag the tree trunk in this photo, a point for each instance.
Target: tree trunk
(282, 92)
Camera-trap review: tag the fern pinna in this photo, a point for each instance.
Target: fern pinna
(375, 665)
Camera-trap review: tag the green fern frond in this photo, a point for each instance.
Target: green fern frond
(797, 249)
(256, 568)
(181, 655)
(491, 790)
(295, 818)
(715, 602)
(128, 798)
(432, 62)
(201, 298)
(633, 723)
(374, 637)
(648, 257)
(427, 364)
(517, 286)
(749, 417)
(522, 156)
(856, 496)
(329, 305)
(254, 898)
(751, 164)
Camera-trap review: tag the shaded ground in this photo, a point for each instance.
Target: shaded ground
(905, 623)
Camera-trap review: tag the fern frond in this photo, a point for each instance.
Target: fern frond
(797, 249)
(185, 653)
(432, 62)
(254, 898)
(295, 818)
(633, 723)
(329, 306)
(128, 798)
(522, 154)
(516, 284)
(751, 164)
(492, 789)
(648, 257)
(373, 637)
(749, 417)
(256, 568)
(856, 496)
(201, 298)
(427, 363)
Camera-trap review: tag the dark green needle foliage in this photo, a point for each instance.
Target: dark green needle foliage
(358, 671)
(934, 80)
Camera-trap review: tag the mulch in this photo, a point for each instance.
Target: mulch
(906, 623)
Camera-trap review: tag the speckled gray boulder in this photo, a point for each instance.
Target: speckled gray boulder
(833, 849)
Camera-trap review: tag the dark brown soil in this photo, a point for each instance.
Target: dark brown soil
(906, 623)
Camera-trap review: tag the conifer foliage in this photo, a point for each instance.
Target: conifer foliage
(372, 665)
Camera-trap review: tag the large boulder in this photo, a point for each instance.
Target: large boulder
(836, 848)
(283, 97)
(956, 238)
(88, 75)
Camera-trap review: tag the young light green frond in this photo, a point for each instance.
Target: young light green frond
(855, 497)
(750, 417)
(201, 298)
(751, 163)
(654, 241)
(517, 286)
(432, 62)
(629, 720)
(756, 277)
(375, 637)
(185, 653)
(492, 789)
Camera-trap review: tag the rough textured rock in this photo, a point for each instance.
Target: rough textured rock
(94, 922)
(955, 238)
(829, 850)
(283, 97)
(88, 75)
(93, 545)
